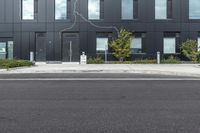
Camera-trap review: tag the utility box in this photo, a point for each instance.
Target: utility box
(83, 58)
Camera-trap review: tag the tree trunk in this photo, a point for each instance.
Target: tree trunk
(121, 59)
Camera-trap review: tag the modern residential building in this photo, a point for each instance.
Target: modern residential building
(60, 30)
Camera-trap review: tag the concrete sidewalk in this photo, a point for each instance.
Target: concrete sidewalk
(177, 70)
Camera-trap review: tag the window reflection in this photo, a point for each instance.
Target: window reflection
(94, 9)
(60, 9)
(127, 9)
(136, 45)
(102, 45)
(10, 49)
(194, 10)
(160, 9)
(2, 50)
(198, 43)
(28, 9)
(170, 45)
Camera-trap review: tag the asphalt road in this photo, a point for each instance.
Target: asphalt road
(87, 75)
(149, 106)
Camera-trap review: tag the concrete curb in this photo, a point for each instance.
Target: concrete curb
(157, 72)
(106, 69)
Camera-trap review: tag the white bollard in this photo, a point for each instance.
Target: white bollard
(31, 56)
(158, 57)
(83, 58)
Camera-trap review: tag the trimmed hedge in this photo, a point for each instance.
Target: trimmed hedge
(147, 61)
(6, 64)
(171, 60)
(97, 60)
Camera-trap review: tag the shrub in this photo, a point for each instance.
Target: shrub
(6, 64)
(171, 60)
(97, 60)
(190, 50)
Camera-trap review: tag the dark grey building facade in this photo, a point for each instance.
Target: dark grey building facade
(60, 30)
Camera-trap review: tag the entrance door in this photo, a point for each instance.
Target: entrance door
(70, 47)
(41, 46)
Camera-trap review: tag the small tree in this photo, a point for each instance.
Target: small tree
(190, 50)
(121, 45)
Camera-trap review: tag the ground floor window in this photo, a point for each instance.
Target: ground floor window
(169, 45)
(2, 50)
(136, 45)
(6, 50)
(198, 43)
(101, 45)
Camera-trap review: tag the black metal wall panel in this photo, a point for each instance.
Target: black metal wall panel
(17, 45)
(25, 45)
(23, 32)
(50, 46)
(42, 5)
(2, 11)
(58, 47)
(17, 11)
(50, 11)
(9, 11)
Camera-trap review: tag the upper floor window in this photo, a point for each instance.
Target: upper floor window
(194, 10)
(163, 9)
(127, 9)
(60, 9)
(27, 9)
(94, 9)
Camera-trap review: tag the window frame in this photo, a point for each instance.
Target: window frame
(102, 51)
(132, 48)
(198, 41)
(175, 48)
(66, 11)
(35, 11)
(99, 11)
(127, 19)
(169, 14)
(192, 19)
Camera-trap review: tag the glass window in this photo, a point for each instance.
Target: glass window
(194, 10)
(61, 9)
(169, 45)
(102, 45)
(93, 9)
(136, 45)
(10, 49)
(161, 9)
(198, 43)
(27, 9)
(127, 9)
(2, 50)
